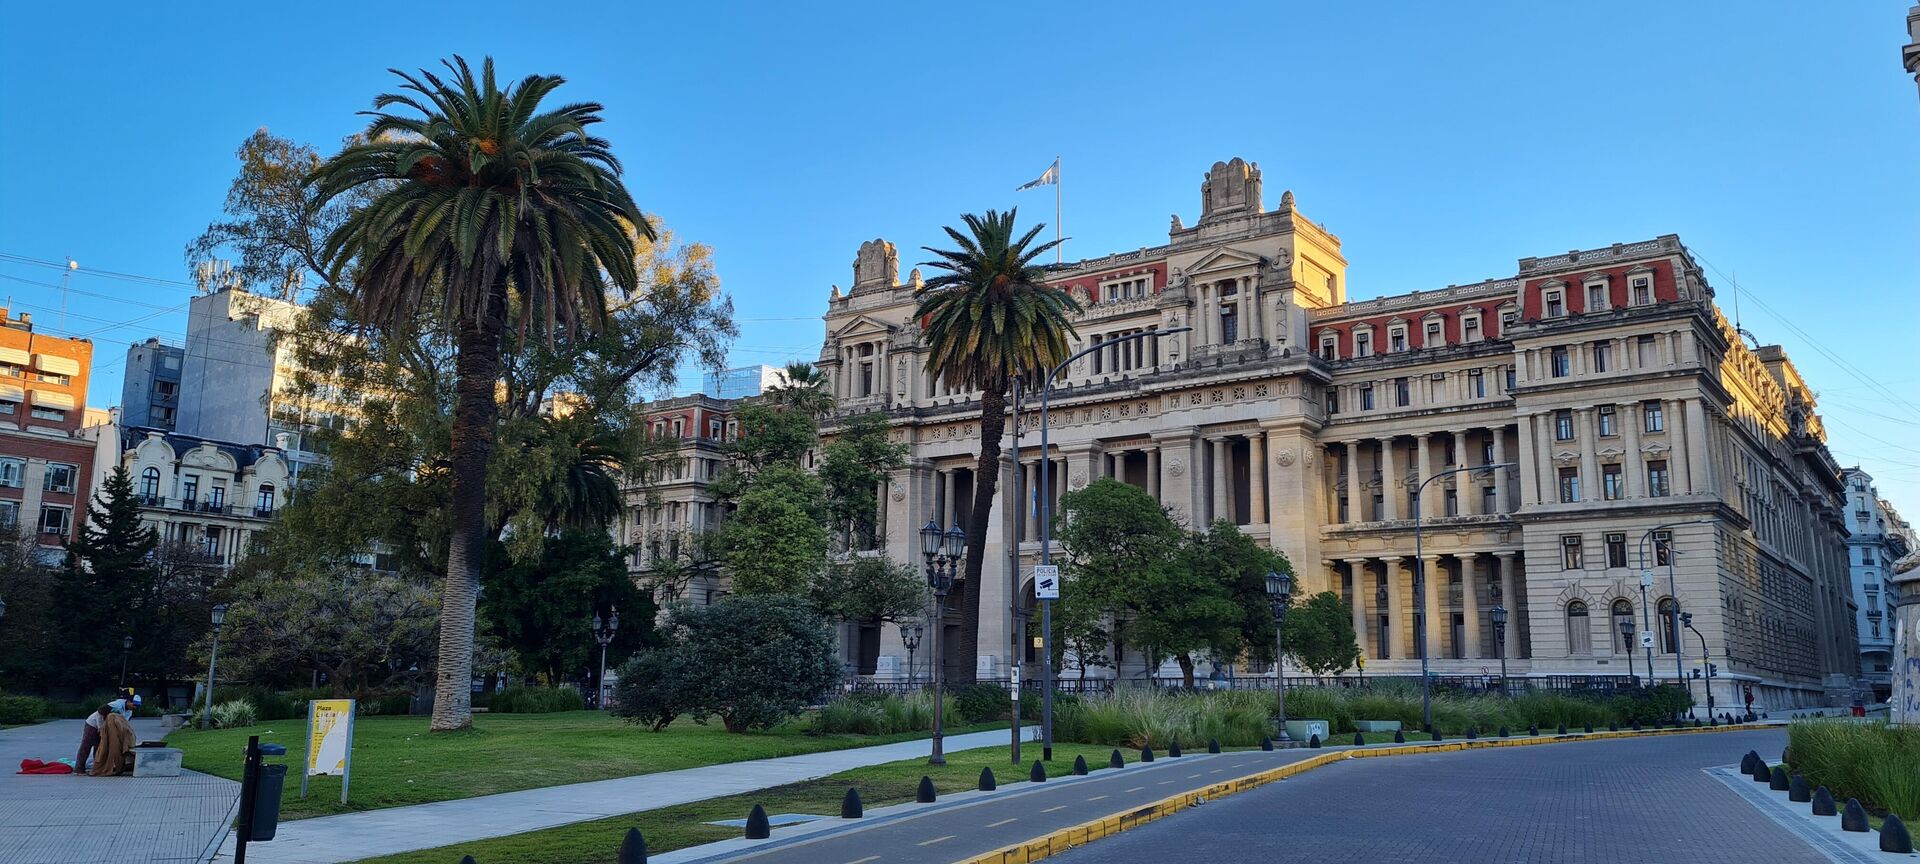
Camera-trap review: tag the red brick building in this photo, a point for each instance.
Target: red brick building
(45, 465)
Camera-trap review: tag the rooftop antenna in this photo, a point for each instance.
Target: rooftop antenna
(1737, 329)
(65, 277)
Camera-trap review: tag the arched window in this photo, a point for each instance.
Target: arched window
(150, 484)
(1579, 635)
(1622, 614)
(264, 504)
(1669, 625)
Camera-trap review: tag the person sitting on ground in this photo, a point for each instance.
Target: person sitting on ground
(114, 755)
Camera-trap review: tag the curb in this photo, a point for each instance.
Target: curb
(1106, 826)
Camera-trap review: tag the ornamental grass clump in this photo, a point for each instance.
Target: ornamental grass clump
(1878, 764)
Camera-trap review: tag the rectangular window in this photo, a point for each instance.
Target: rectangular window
(1433, 335)
(1486, 448)
(1476, 384)
(1489, 500)
(1366, 397)
(216, 497)
(1608, 425)
(1610, 482)
(60, 477)
(1453, 502)
(1511, 381)
(1656, 421)
(1597, 297)
(1657, 479)
(1554, 307)
(1616, 550)
(1329, 349)
(13, 472)
(1569, 485)
(1470, 329)
(190, 487)
(1562, 363)
(9, 407)
(166, 389)
(1643, 352)
(1229, 327)
(1662, 542)
(1563, 425)
(1570, 557)
(1333, 400)
(55, 520)
(1396, 340)
(1402, 397)
(1642, 291)
(9, 514)
(54, 414)
(1602, 356)
(1363, 345)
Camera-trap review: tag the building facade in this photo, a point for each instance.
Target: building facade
(1910, 55)
(45, 466)
(150, 392)
(208, 496)
(668, 508)
(1879, 538)
(740, 382)
(1614, 430)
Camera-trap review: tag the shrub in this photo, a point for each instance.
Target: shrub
(234, 714)
(536, 700)
(1880, 765)
(386, 702)
(1323, 703)
(268, 705)
(22, 709)
(751, 660)
(982, 702)
(1138, 718)
(850, 717)
(654, 687)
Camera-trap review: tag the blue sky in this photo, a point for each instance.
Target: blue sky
(1442, 142)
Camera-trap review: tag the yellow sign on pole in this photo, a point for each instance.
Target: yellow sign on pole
(329, 742)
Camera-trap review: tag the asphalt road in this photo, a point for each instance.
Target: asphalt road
(1623, 800)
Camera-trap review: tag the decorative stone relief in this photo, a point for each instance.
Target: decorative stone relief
(1285, 458)
(1078, 480)
(1144, 409)
(898, 494)
(1566, 457)
(1176, 466)
(1259, 391)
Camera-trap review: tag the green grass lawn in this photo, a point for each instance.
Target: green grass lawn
(397, 762)
(678, 827)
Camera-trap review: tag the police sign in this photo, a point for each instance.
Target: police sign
(1046, 581)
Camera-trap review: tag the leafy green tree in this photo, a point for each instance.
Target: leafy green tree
(1082, 640)
(1320, 634)
(31, 632)
(542, 609)
(366, 630)
(775, 542)
(1242, 564)
(752, 661)
(869, 589)
(770, 434)
(109, 586)
(485, 210)
(855, 465)
(986, 317)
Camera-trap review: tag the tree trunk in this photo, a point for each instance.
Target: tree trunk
(476, 371)
(986, 480)
(1186, 669)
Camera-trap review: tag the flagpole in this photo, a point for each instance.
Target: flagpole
(1058, 177)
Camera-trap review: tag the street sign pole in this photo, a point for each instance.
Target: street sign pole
(1046, 588)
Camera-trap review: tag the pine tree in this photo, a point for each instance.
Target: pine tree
(109, 581)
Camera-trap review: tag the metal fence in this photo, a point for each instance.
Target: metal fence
(1511, 685)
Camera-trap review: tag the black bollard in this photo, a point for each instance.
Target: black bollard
(1823, 802)
(1146, 754)
(1612, 726)
(850, 806)
(1562, 730)
(757, 827)
(1853, 817)
(1313, 741)
(1533, 730)
(633, 849)
(1894, 836)
(1473, 733)
(1079, 766)
(1039, 772)
(1746, 762)
(1359, 740)
(1213, 745)
(1504, 733)
(1798, 791)
(987, 783)
(1762, 773)
(1636, 725)
(924, 794)
(1399, 736)
(1266, 744)
(1115, 761)
(1779, 782)
(1435, 735)
(1174, 749)
(1696, 722)
(1588, 728)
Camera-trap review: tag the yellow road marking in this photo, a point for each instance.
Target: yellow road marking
(935, 840)
(991, 825)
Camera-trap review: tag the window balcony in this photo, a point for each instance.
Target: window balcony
(264, 512)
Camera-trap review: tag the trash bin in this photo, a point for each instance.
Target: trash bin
(266, 801)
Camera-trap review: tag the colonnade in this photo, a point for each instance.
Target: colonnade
(1384, 600)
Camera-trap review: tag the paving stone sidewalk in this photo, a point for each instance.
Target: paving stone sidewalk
(56, 819)
(352, 836)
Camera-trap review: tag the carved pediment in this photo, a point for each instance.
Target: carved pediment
(1612, 453)
(876, 265)
(1654, 447)
(1225, 258)
(862, 326)
(1566, 457)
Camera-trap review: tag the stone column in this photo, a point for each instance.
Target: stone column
(946, 498)
(1589, 456)
(1529, 470)
(1436, 582)
(1678, 434)
(1512, 602)
(1221, 506)
(1470, 605)
(1424, 459)
(1699, 455)
(1466, 482)
(1549, 475)
(1634, 468)
(1257, 478)
(1354, 512)
(1362, 586)
(1032, 479)
(1250, 306)
(1502, 487)
(1389, 473)
(1153, 473)
(1209, 319)
(1396, 609)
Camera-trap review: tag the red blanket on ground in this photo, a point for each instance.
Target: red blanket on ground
(35, 766)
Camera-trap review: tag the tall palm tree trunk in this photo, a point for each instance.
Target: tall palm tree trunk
(476, 371)
(986, 481)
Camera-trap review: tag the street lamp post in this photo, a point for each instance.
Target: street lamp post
(219, 618)
(1499, 614)
(1673, 590)
(1626, 639)
(1706, 659)
(943, 553)
(1420, 580)
(1280, 592)
(1046, 524)
(603, 633)
(126, 647)
(1016, 630)
(910, 635)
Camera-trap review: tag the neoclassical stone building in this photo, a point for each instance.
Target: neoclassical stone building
(1606, 380)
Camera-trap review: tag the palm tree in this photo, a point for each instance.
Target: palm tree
(987, 318)
(804, 388)
(480, 205)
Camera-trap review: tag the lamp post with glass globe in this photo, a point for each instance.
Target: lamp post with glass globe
(1280, 593)
(910, 636)
(943, 552)
(126, 647)
(603, 633)
(219, 619)
(1499, 614)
